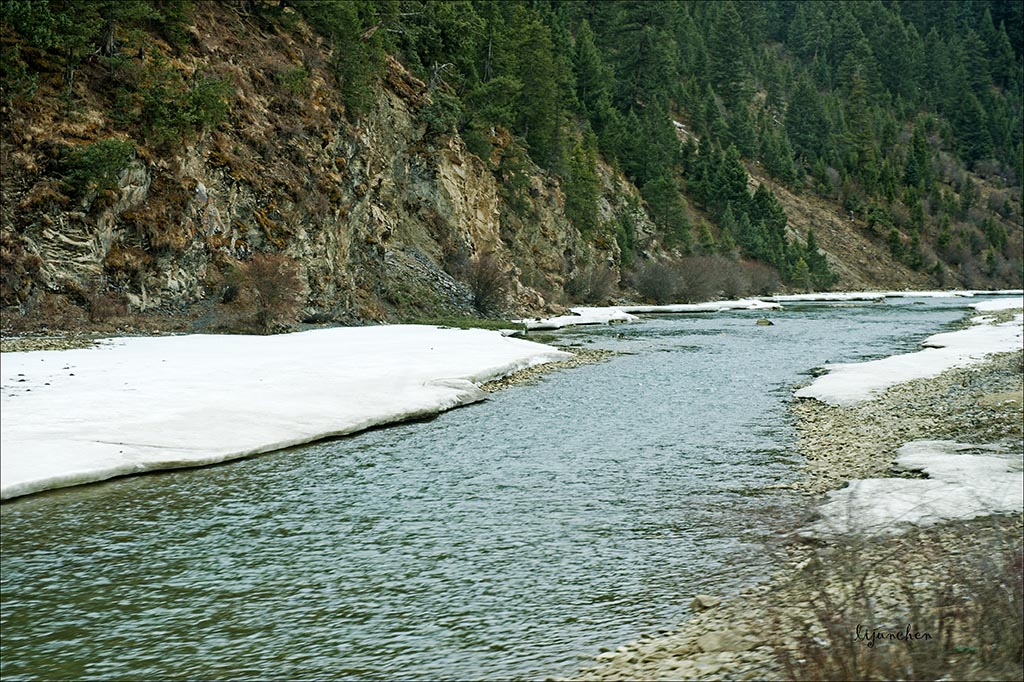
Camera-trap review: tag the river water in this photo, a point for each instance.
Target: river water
(507, 539)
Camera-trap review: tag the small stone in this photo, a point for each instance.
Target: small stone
(703, 602)
(723, 640)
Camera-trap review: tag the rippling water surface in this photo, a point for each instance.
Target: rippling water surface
(506, 539)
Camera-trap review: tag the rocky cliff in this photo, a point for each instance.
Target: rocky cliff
(382, 217)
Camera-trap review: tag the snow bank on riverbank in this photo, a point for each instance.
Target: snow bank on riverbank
(141, 404)
(964, 482)
(876, 295)
(628, 313)
(846, 384)
(997, 304)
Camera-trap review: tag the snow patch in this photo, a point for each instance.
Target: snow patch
(581, 316)
(628, 313)
(141, 404)
(964, 482)
(877, 295)
(849, 383)
(997, 304)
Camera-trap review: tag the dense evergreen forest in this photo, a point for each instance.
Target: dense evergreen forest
(906, 114)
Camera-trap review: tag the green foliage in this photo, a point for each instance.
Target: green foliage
(514, 186)
(668, 209)
(17, 84)
(294, 80)
(354, 29)
(625, 234)
(727, 55)
(169, 110)
(207, 104)
(442, 113)
(582, 187)
(96, 166)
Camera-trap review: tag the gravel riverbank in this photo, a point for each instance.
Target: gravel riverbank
(953, 589)
(531, 375)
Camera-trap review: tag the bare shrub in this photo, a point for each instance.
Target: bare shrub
(105, 303)
(734, 279)
(19, 269)
(696, 279)
(699, 278)
(998, 202)
(764, 279)
(263, 294)
(594, 284)
(968, 627)
(990, 169)
(127, 265)
(490, 283)
(658, 282)
(54, 311)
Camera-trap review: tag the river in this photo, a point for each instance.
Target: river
(508, 539)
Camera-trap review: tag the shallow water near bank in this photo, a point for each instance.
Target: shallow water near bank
(505, 539)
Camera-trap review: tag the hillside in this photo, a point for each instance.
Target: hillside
(248, 165)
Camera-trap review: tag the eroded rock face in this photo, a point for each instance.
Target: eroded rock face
(381, 215)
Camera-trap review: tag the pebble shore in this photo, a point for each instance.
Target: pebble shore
(531, 375)
(802, 622)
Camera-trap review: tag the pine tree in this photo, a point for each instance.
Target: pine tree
(582, 186)
(806, 125)
(727, 55)
(668, 209)
(592, 76)
(729, 183)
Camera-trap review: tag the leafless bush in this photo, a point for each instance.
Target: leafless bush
(949, 168)
(658, 282)
(19, 268)
(46, 312)
(490, 283)
(700, 277)
(263, 293)
(835, 180)
(968, 627)
(990, 169)
(105, 303)
(764, 279)
(594, 284)
(999, 202)
(735, 280)
(704, 278)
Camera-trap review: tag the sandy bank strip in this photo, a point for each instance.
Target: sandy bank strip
(140, 404)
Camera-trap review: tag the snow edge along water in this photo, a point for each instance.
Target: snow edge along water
(140, 404)
(963, 480)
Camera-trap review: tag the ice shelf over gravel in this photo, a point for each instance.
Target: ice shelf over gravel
(140, 404)
(997, 304)
(877, 295)
(846, 384)
(964, 481)
(628, 313)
